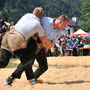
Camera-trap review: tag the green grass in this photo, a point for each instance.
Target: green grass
(86, 66)
(12, 64)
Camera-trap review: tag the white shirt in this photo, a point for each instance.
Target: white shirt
(28, 25)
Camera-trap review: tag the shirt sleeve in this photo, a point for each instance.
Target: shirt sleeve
(40, 31)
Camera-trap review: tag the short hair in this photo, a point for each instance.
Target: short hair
(63, 17)
(38, 11)
(12, 23)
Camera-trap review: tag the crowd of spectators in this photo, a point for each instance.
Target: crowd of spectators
(4, 28)
(69, 44)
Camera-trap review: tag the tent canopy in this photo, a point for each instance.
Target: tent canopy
(80, 32)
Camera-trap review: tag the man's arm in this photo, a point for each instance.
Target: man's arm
(46, 43)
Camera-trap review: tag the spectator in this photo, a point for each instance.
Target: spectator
(12, 25)
(69, 47)
(76, 48)
(63, 48)
(3, 29)
(1, 22)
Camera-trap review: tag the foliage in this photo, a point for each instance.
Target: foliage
(12, 10)
(85, 25)
(85, 15)
(85, 11)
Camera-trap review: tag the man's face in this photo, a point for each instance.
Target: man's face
(61, 24)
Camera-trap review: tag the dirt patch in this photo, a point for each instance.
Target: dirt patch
(64, 73)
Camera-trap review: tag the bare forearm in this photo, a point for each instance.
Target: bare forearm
(47, 43)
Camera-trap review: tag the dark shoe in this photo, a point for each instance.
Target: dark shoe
(9, 81)
(32, 82)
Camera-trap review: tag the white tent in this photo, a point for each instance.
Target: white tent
(80, 32)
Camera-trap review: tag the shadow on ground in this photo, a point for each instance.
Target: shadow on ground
(68, 82)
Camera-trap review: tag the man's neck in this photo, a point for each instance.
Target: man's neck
(54, 26)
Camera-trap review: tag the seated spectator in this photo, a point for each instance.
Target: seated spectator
(69, 44)
(77, 44)
(76, 48)
(69, 47)
(63, 45)
(82, 42)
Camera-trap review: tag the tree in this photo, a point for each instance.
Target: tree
(12, 10)
(85, 25)
(85, 15)
(85, 11)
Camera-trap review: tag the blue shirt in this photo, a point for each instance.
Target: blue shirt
(51, 33)
(69, 45)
